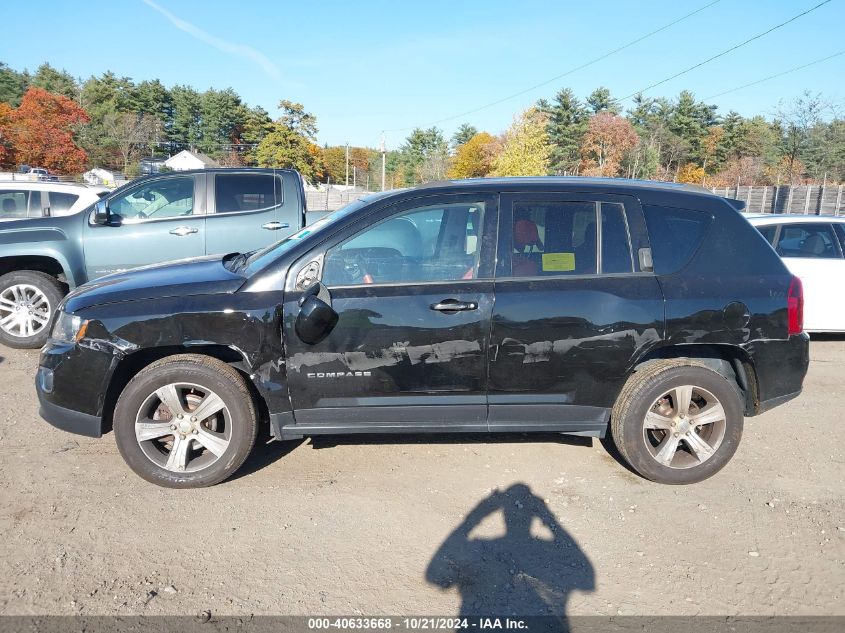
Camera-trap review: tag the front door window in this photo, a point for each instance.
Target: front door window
(430, 243)
(154, 200)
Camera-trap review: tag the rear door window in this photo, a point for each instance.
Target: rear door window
(615, 240)
(235, 193)
(552, 238)
(808, 241)
(675, 235)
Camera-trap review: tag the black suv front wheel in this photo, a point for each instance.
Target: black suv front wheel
(185, 421)
(677, 422)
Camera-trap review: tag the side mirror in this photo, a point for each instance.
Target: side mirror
(101, 212)
(316, 318)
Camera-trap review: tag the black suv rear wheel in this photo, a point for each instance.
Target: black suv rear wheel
(677, 422)
(185, 421)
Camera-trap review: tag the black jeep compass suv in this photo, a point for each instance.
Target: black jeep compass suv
(652, 311)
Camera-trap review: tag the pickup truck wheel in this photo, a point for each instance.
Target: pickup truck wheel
(185, 421)
(677, 422)
(28, 301)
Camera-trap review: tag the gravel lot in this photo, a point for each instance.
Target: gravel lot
(415, 526)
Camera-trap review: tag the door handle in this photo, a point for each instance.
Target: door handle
(453, 305)
(182, 231)
(275, 226)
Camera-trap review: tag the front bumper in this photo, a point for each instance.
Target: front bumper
(71, 384)
(66, 419)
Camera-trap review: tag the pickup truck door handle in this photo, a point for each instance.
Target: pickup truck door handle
(275, 226)
(453, 305)
(182, 231)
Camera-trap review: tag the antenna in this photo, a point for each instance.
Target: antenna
(383, 152)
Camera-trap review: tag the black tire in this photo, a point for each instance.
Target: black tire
(209, 374)
(641, 393)
(49, 287)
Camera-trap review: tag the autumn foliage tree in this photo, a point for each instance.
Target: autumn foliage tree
(608, 138)
(6, 146)
(525, 147)
(691, 174)
(40, 132)
(474, 159)
(290, 142)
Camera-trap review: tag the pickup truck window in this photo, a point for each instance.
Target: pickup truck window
(234, 193)
(156, 199)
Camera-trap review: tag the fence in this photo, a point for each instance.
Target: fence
(804, 199)
(331, 199)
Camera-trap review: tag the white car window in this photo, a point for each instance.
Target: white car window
(13, 204)
(813, 241)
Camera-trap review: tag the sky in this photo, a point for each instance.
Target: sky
(367, 66)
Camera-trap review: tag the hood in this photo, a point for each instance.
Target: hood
(197, 276)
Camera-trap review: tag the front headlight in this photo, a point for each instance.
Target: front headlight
(68, 328)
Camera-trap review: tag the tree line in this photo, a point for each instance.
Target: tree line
(51, 119)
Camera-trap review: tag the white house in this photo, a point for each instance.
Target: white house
(100, 176)
(190, 160)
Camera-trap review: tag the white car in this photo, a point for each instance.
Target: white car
(813, 248)
(19, 200)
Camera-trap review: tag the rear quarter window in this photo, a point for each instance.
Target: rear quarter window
(675, 235)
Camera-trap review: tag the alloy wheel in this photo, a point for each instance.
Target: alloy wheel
(684, 427)
(24, 310)
(183, 427)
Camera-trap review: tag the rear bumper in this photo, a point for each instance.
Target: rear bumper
(771, 403)
(781, 366)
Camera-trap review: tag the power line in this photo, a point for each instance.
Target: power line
(780, 74)
(568, 72)
(725, 52)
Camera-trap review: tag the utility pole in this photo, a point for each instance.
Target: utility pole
(354, 177)
(347, 164)
(382, 161)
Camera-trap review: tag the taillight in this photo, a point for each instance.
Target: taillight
(795, 306)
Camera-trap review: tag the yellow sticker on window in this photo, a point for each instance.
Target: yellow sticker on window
(558, 262)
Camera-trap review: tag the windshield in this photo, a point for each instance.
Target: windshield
(262, 258)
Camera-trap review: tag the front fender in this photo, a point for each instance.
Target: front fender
(52, 242)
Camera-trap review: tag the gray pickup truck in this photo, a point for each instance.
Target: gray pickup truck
(163, 217)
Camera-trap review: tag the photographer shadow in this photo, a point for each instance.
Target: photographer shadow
(529, 571)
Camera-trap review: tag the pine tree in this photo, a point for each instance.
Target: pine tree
(567, 124)
(601, 101)
(463, 134)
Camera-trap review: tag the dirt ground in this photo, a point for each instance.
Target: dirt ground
(427, 525)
